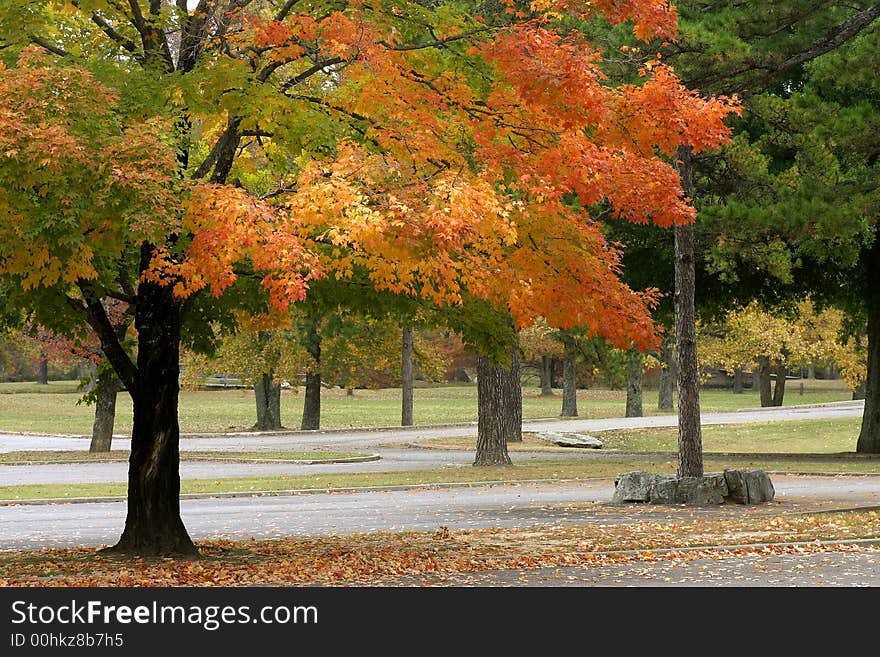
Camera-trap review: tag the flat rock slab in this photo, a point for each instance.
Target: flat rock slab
(570, 439)
(738, 486)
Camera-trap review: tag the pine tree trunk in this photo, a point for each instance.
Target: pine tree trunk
(267, 394)
(499, 410)
(779, 388)
(311, 418)
(106, 389)
(43, 373)
(569, 377)
(690, 438)
(764, 382)
(153, 525)
(738, 388)
(546, 376)
(634, 373)
(406, 373)
(869, 437)
(667, 371)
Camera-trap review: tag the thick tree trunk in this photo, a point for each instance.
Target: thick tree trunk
(311, 418)
(153, 525)
(667, 372)
(267, 394)
(546, 376)
(634, 372)
(738, 388)
(106, 389)
(690, 438)
(43, 372)
(406, 373)
(764, 383)
(869, 437)
(499, 410)
(569, 378)
(779, 388)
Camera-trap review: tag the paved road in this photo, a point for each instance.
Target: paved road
(361, 439)
(822, 569)
(519, 505)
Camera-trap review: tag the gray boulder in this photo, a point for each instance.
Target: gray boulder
(696, 491)
(749, 486)
(570, 439)
(637, 486)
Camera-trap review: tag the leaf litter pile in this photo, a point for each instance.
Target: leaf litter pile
(386, 557)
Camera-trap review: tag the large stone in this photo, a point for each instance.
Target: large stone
(696, 491)
(749, 486)
(570, 439)
(636, 486)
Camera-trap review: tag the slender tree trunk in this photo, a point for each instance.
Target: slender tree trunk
(779, 388)
(667, 372)
(43, 372)
(546, 376)
(869, 437)
(406, 372)
(267, 394)
(499, 410)
(690, 438)
(738, 388)
(764, 382)
(106, 389)
(311, 418)
(634, 373)
(811, 371)
(569, 377)
(153, 525)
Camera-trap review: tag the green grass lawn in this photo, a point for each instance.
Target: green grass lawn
(550, 469)
(53, 408)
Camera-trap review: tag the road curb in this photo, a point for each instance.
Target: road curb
(373, 489)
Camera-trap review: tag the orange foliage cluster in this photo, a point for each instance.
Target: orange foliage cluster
(452, 188)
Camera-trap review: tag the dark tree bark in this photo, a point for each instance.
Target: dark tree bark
(43, 372)
(859, 393)
(764, 382)
(311, 418)
(267, 394)
(499, 410)
(869, 436)
(569, 377)
(406, 373)
(690, 438)
(779, 387)
(667, 373)
(634, 373)
(153, 525)
(738, 388)
(546, 369)
(106, 389)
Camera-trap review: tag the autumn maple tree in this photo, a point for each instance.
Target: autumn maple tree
(191, 159)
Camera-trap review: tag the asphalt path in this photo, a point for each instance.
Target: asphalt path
(473, 507)
(813, 569)
(360, 439)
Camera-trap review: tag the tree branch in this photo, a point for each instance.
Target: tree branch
(40, 41)
(96, 316)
